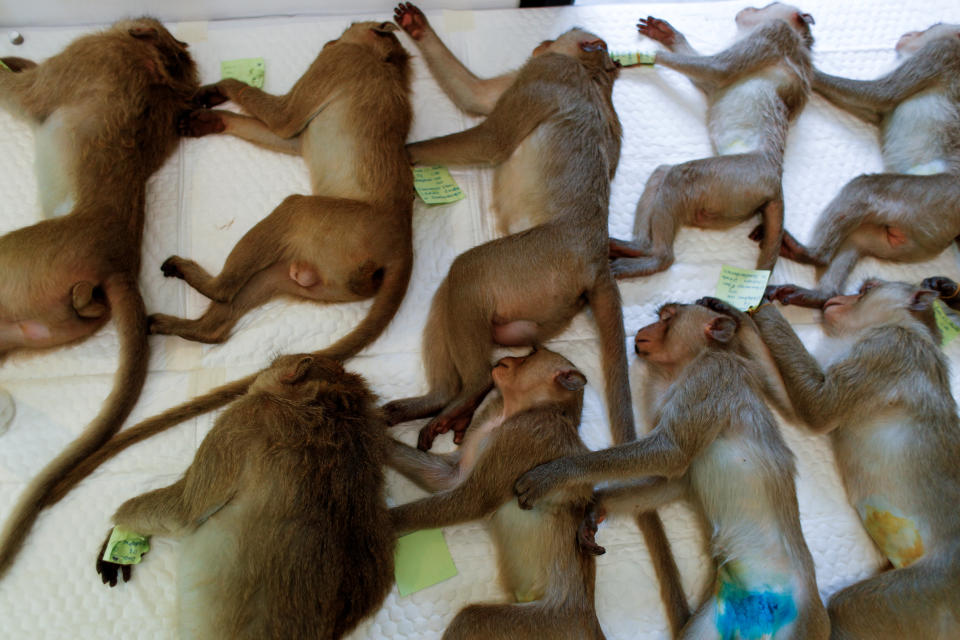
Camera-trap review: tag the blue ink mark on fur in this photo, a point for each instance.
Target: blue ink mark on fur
(750, 615)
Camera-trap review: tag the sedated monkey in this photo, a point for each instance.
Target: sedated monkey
(104, 113)
(754, 90)
(885, 400)
(285, 524)
(715, 443)
(348, 116)
(911, 211)
(533, 418)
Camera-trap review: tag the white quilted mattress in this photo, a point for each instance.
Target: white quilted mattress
(213, 190)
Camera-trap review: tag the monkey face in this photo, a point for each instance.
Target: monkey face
(682, 331)
(752, 17)
(536, 377)
(877, 302)
(913, 41)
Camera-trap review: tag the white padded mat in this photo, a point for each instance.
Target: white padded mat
(213, 190)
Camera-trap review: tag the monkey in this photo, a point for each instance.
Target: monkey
(285, 527)
(714, 442)
(909, 212)
(754, 90)
(553, 136)
(104, 113)
(348, 116)
(532, 417)
(885, 401)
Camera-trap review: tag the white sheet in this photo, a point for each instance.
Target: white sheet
(213, 190)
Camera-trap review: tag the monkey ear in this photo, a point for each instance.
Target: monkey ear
(593, 45)
(570, 379)
(804, 18)
(145, 33)
(385, 27)
(298, 372)
(922, 299)
(721, 329)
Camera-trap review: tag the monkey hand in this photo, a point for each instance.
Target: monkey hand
(657, 29)
(200, 123)
(625, 249)
(791, 294)
(109, 571)
(946, 287)
(538, 482)
(718, 305)
(411, 19)
(587, 531)
(209, 95)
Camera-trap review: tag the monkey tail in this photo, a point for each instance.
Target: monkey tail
(385, 304)
(665, 567)
(129, 313)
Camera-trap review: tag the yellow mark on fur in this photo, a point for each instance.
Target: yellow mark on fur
(897, 537)
(435, 185)
(742, 288)
(633, 58)
(422, 559)
(3, 65)
(125, 547)
(948, 328)
(248, 70)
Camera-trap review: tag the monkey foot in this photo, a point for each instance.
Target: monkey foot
(200, 123)
(587, 531)
(657, 29)
(625, 249)
(209, 95)
(170, 269)
(7, 410)
(947, 288)
(790, 294)
(410, 19)
(457, 421)
(86, 300)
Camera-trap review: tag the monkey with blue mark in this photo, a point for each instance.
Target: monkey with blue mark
(715, 443)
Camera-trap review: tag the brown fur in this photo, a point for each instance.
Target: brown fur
(349, 116)
(535, 420)
(287, 533)
(885, 401)
(773, 56)
(895, 215)
(115, 97)
(709, 411)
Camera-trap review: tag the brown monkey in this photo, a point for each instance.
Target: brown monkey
(885, 401)
(533, 419)
(105, 110)
(715, 443)
(348, 116)
(911, 212)
(554, 138)
(754, 90)
(287, 532)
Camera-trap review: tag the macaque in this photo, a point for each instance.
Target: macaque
(715, 443)
(554, 139)
(104, 113)
(885, 401)
(283, 514)
(754, 90)
(348, 116)
(533, 418)
(911, 212)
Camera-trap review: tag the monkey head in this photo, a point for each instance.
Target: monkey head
(540, 377)
(878, 302)
(913, 41)
(175, 60)
(682, 332)
(750, 18)
(310, 380)
(580, 44)
(378, 36)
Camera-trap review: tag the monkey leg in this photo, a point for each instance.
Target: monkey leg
(220, 317)
(430, 471)
(529, 621)
(285, 116)
(654, 231)
(920, 602)
(253, 130)
(835, 276)
(797, 296)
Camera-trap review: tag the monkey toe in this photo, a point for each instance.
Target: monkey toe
(757, 234)
(199, 123)
(426, 437)
(170, 269)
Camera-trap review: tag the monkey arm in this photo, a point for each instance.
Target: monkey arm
(472, 499)
(430, 471)
(640, 495)
(285, 116)
(814, 396)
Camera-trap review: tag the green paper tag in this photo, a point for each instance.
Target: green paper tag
(422, 559)
(3, 65)
(125, 547)
(742, 288)
(248, 70)
(948, 328)
(633, 58)
(435, 185)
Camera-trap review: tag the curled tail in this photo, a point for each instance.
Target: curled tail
(130, 316)
(392, 290)
(146, 429)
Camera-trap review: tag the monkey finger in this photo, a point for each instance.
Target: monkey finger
(946, 287)
(757, 234)
(425, 439)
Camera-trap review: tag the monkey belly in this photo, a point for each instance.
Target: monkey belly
(519, 198)
(525, 560)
